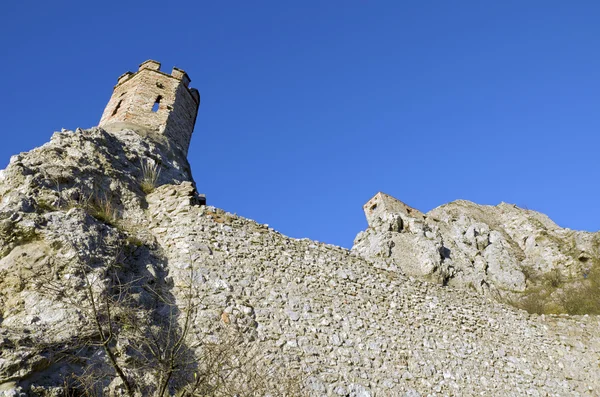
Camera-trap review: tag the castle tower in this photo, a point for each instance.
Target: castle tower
(156, 102)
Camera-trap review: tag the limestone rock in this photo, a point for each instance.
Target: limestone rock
(491, 249)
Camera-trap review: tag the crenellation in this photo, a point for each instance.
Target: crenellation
(155, 101)
(124, 77)
(181, 75)
(150, 64)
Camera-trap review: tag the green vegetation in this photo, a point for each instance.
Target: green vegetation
(584, 298)
(552, 293)
(553, 278)
(45, 206)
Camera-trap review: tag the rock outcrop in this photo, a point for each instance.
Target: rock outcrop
(75, 222)
(503, 250)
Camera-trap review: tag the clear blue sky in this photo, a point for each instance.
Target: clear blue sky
(311, 107)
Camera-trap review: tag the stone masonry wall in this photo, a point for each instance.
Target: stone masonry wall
(356, 330)
(133, 99)
(182, 119)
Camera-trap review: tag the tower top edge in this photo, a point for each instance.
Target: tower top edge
(153, 66)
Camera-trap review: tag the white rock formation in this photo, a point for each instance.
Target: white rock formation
(491, 249)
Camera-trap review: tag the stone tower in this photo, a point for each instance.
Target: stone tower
(152, 101)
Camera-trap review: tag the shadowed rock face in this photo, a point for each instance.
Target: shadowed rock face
(491, 249)
(350, 325)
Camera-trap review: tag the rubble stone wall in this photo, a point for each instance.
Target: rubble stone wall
(355, 329)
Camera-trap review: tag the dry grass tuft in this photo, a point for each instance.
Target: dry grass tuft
(150, 174)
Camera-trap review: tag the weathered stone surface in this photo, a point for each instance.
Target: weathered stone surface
(361, 330)
(50, 242)
(351, 328)
(491, 249)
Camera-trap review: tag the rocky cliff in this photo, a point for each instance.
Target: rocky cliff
(111, 271)
(510, 253)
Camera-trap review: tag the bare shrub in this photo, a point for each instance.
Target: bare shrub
(234, 367)
(149, 349)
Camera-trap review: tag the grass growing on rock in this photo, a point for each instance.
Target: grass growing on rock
(150, 174)
(583, 298)
(103, 209)
(97, 204)
(558, 295)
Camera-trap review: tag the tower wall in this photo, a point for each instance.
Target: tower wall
(155, 101)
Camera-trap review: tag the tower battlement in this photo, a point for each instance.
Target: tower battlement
(155, 101)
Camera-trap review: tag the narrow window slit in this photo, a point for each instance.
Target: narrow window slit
(117, 108)
(156, 104)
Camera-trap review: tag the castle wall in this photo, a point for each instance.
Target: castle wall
(353, 328)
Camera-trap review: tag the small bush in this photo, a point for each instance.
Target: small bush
(133, 241)
(45, 206)
(530, 274)
(558, 295)
(584, 298)
(534, 303)
(96, 204)
(554, 278)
